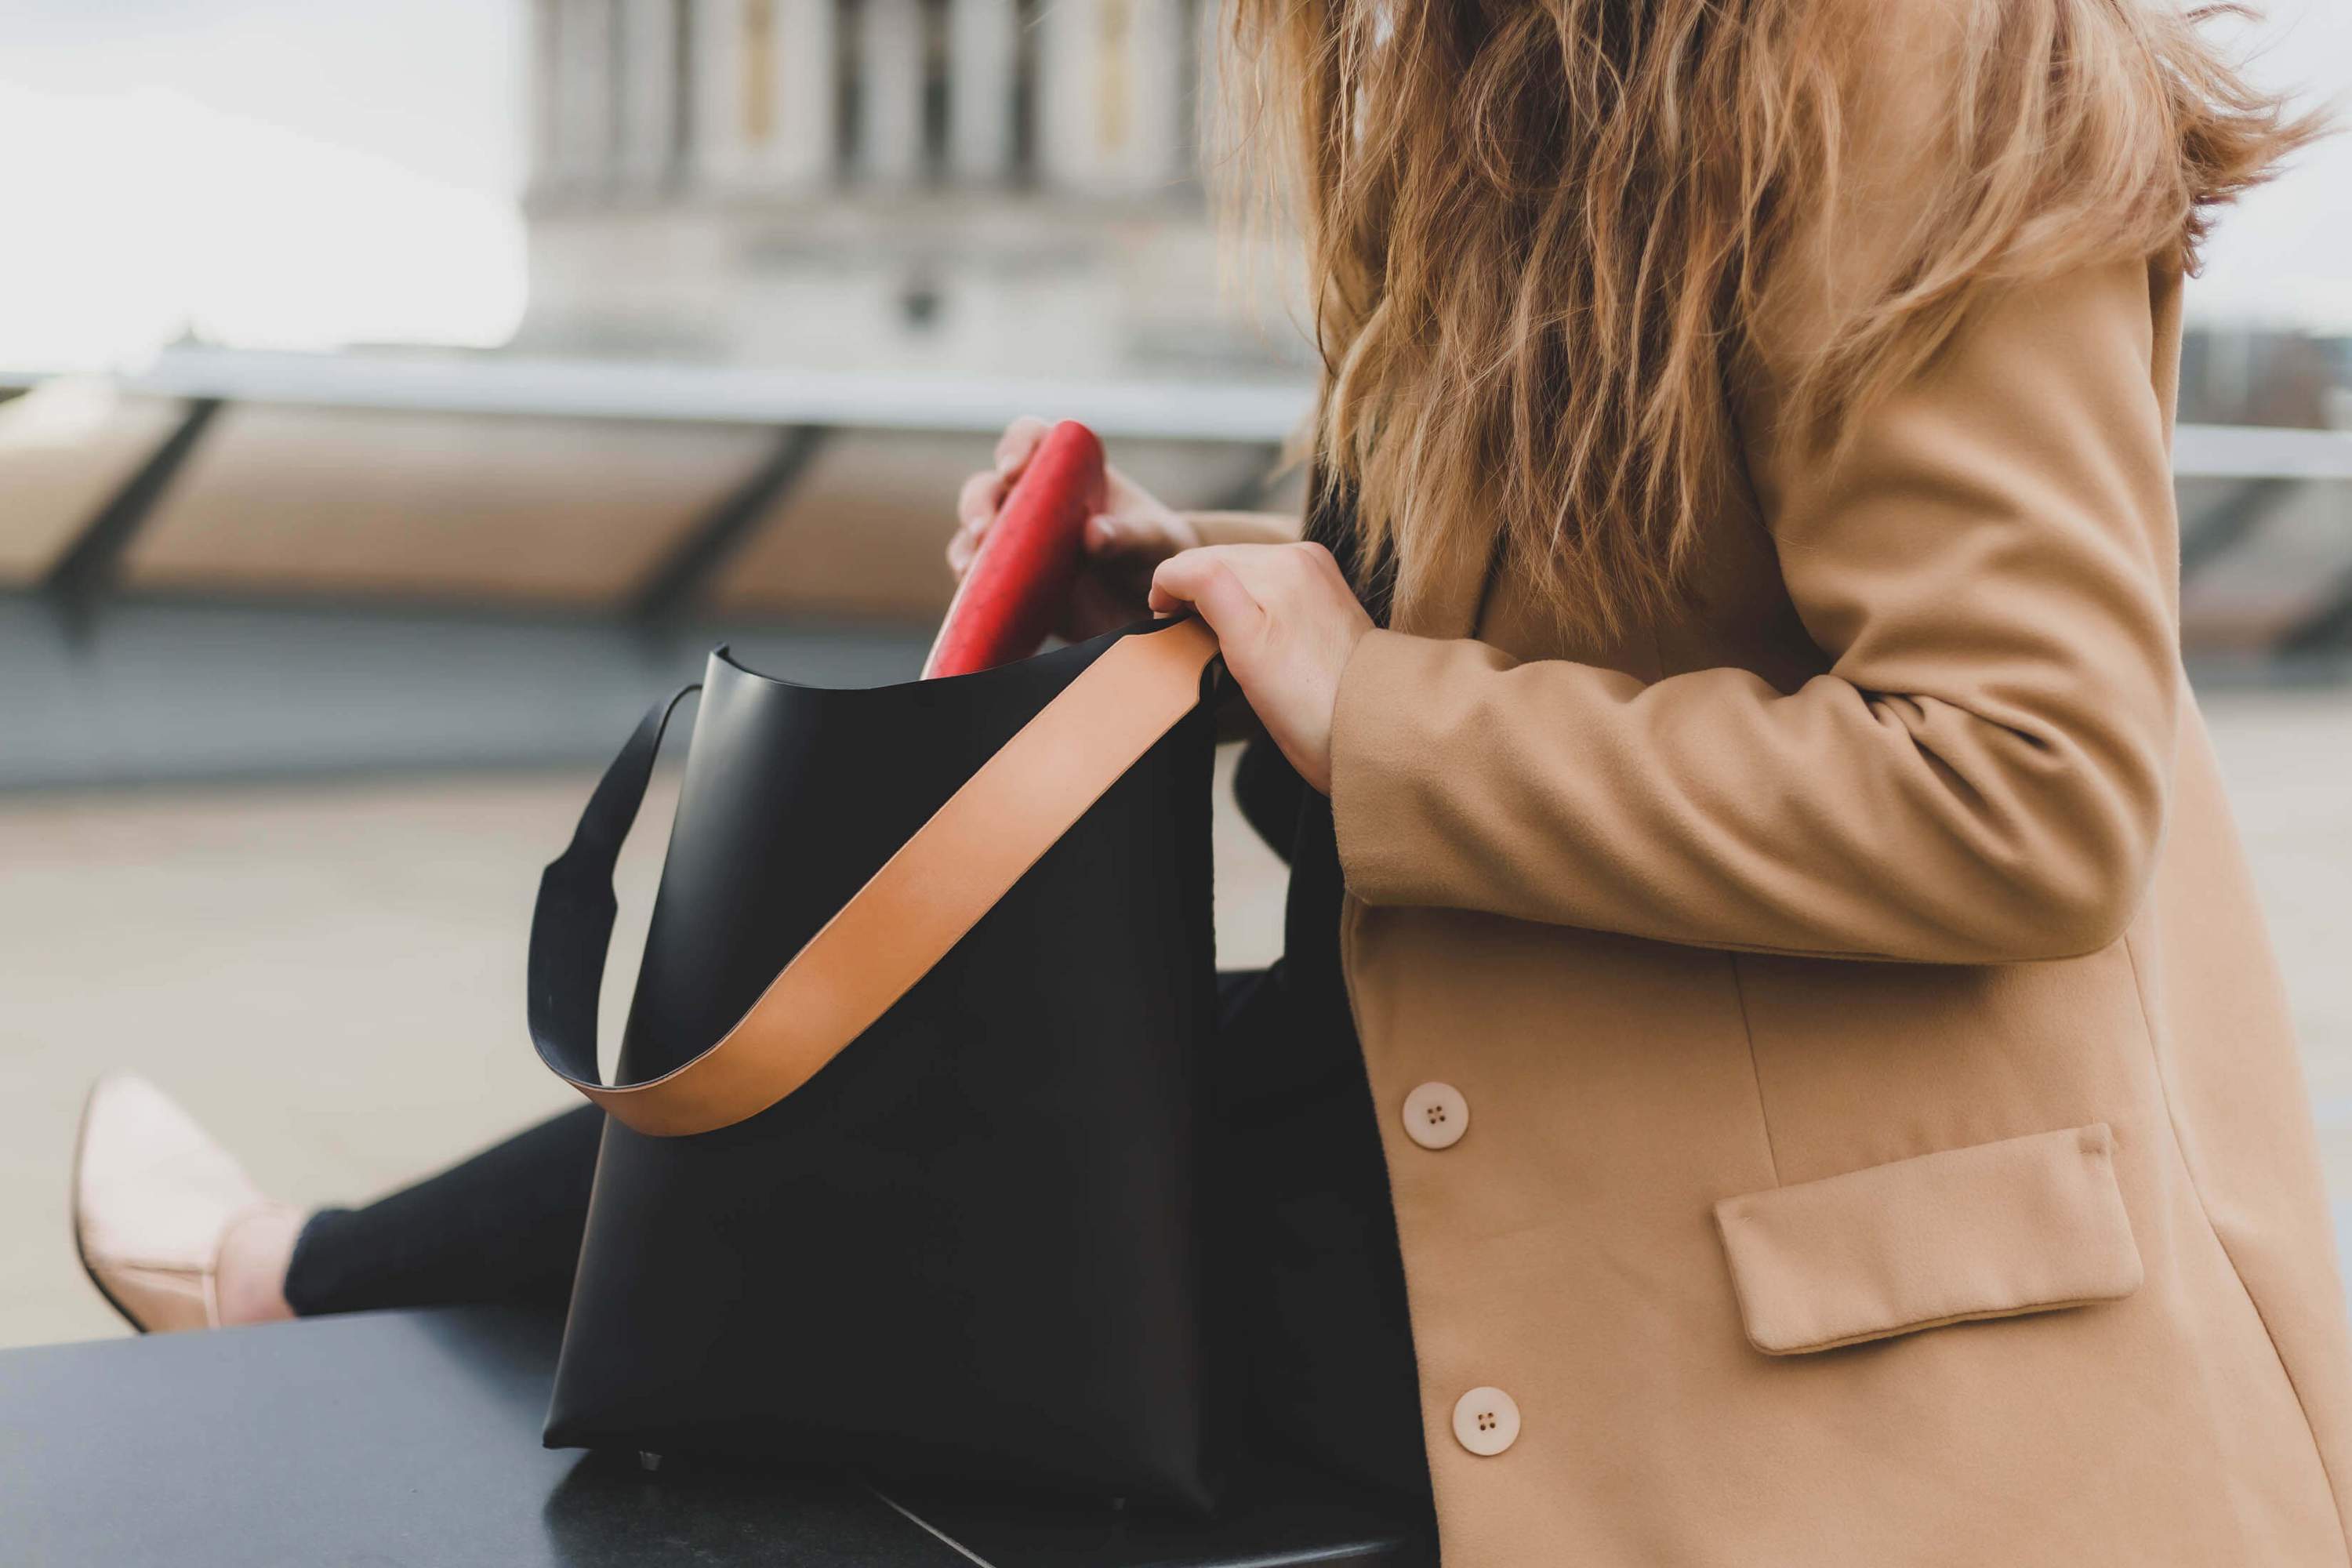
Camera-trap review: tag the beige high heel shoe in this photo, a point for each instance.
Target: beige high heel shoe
(154, 1200)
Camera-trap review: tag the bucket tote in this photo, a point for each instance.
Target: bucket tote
(901, 1166)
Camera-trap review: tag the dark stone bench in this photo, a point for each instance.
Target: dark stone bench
(405, 1438)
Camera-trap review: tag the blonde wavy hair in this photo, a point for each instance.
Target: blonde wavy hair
(1538, 233)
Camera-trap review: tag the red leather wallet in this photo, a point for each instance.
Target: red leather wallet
(1028, 560)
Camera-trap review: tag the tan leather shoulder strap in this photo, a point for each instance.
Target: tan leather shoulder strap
(919, 905)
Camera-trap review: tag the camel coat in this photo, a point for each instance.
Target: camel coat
(1835, 1085)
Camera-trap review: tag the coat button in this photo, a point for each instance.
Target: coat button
(1485, 1421)
(1435, 1116)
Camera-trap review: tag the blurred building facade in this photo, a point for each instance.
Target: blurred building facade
(960, 186)
(793, 263)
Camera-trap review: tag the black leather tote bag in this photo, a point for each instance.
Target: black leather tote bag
(900, 1171)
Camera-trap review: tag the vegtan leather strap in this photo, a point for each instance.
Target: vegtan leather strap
(901, 922)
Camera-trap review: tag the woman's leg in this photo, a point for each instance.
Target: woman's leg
(504, 1225)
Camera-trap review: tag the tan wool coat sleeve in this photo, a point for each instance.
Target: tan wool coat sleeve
(1243, 527)
(1978, 775)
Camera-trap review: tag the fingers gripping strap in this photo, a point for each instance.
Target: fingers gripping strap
(904, 921)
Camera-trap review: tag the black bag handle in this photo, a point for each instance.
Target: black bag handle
(572, 925)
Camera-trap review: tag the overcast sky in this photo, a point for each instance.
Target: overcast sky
(275, 172)
(299, 173)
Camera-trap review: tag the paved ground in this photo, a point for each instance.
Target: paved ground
(330, 975)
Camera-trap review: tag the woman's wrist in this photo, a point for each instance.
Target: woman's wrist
(1286, 621)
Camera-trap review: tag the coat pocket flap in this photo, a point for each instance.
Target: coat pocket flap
(2025, 1225)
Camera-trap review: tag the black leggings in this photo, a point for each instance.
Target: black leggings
(1320, 1322)
(504, 1225)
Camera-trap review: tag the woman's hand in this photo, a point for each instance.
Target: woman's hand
(1287, 622)
(1134, 532)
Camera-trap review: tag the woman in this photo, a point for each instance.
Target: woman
(1830, 1075)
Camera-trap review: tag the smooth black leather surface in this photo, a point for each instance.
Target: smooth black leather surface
(410, 1438)
(968, 1246)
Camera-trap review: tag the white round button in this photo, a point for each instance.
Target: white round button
(1485, 1421)
(1435, 1116)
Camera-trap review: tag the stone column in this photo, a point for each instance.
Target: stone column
(1204, 114)
(582, 129)
(648, 138)
(982, 44)
(763, 90)
(890, 91)
(1159, 37)
(545, 44)
(1110, 105)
